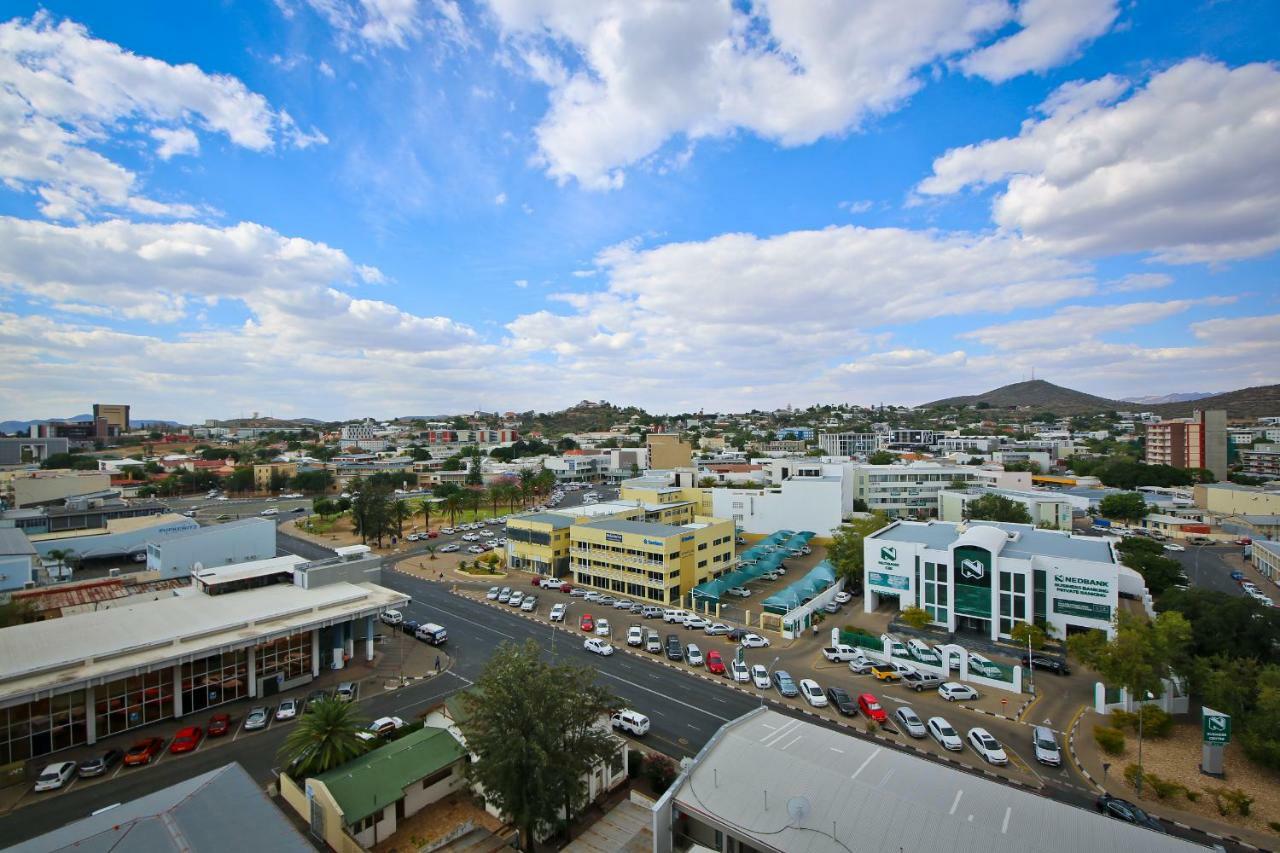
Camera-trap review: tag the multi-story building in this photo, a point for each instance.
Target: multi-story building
(985, 577)
(79, 433)
(269, 475)
(908, 437)
(966, 443)
(800, 433)
(668, 451)
(1199, 441)
(30, 451)
(17, 559)
(1261, 460)
(848, 443)
(656, 562)
(116, 416)
(900, 490)
(1047, 509)
(37, 488)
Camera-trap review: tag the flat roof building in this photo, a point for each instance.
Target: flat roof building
(31, 451)
(17, 559)
(116, 416)
(67, 682)
(215, 545)
(770, 782)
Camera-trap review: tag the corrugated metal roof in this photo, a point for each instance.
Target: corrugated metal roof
(13, 542)
(378, 778)
(885, 799)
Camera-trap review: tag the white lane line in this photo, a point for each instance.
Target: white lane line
(784, 730)
(888, 776)
(664, 696)
(833, 749)
(792, 742)
(865, 762)
(956, 802)
(1004, 826)
(455, 616)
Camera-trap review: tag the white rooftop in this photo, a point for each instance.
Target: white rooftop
(877, 798)
(249, 569)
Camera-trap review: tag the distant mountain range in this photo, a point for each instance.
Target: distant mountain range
(1180, 397)
(1039, 394)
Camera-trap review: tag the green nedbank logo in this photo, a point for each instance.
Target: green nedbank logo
(887, 553)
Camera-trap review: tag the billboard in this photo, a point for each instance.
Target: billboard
(972, 581)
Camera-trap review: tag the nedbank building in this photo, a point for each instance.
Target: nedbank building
(981, 578)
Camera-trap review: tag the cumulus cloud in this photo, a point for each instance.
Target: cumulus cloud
(1082, 322)
(1050, 33)
(1186, 167)
(61, 90)
(386, 23)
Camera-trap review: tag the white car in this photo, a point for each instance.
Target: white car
(1045, 744)
(635, 636)
(602, 627)
(597, 645)
(910, 721)
(450, 548)
(270, 511)
(516, 598)
(693, 655)
(944, 734)
(529, 604)
(287, 710)
(391, 617)
(447, 531)
(54, 776)
(740, 591)
(474, 549)
(987, 746)
(558, 612)
(579, 592)
(1173, 546)
(953, 690)
(843, 597)
(754, 641)
(738, 671)
(492, 594)
(812, 693)
(697, 623)
(760, 677)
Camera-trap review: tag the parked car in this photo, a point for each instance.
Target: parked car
(1237, 576)
(54, 776)
(492, 594)
(832, 607)
(944, 734)
(383, 727)
(635, 636)
(910, 721)
(693, 655)
(885, 672)
(314, 696)
(186, 740)
(579, 592)
(697, 623)
(1127, 812)
(987, 746)
(346, 691)
(623, 604)
(650, 611)
(529, 603)
(675, 650)
(1045, 744)
(717, 629)
(953, 690)
(843, 702)
(504, 595)
(1055, 665)
(598, 646)
(812, 693)
(602, 628)
(558, 612)
(1173, 546)
(632, 722)
(653, 643)
(287, 709)
(871, 708)
(410, 627)
(391, 617)
(983, 667)
(715, 663)
(100, 764)
(740, 591)
(843, 597)
(586, 622)
(257, 718)
(144, 751)
(739, 671)
(921, 681)
(860, 666)
(782, 681)
(450, 548)
(754, 641)
(219, 725)
(760, 676)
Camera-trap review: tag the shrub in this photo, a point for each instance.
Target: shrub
(1231, 800)
(1155, 722)
(1274, 824)
(660, 771)
(635, 762)
(916, 617)
(1110, 740)
(1193, 796)
(862, 632)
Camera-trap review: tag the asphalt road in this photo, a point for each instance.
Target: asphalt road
(1205, 567)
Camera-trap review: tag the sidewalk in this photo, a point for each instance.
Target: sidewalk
(1088, 756)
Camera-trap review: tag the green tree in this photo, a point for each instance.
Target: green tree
(916, 617)
(425, 506)
(314, 482)
(399, 512)
(240, 480)
(1227, 626)
(61, 556)
(16, 611)
(881, 457)
(1022, 631)
(474, 475)
(566, 443)
(1126, 506)
(1141, 652)
(452, 505)
(958, 484)
(453, 463)
(322, 739)
(997, 508)
(533, 729)
(845, 552)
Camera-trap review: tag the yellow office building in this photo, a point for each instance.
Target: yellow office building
(656, 562)
(668, 489)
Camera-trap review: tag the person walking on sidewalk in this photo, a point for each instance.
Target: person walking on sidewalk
(437, 663)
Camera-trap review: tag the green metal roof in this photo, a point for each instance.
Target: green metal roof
(378, 778)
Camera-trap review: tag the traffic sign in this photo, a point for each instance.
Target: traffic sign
(1215, 726)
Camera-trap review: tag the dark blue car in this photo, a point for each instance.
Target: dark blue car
(782, 681)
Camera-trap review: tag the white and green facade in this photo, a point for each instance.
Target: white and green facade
(982, 578)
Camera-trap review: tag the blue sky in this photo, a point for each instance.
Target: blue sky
(336, 208)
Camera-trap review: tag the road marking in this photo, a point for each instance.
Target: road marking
(453, 615)
(664, 696)
(783, 730)
(792, 742)
(865, 762)
(833, 749)
(1004, 826)
(956, 802)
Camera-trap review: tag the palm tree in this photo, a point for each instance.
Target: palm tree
(473, 499)
(527, 478)
(400, 511)
(424, 507)
(63, 556)
(495, 495)
(324, 738)
(452, 504)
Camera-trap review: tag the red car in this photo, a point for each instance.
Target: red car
(715, 663)
(586, 623)
(186, 740)
(433, 534)
(537, 580)
(143, 751)
(219, 725)
(870, 707)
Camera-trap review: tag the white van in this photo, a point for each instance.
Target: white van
(920, 650)
(431, 633)
(981, 666)
(631, 722)
(894, 646)
(391, 617)
(674, 615)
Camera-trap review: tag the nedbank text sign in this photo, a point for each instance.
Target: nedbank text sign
(885, 581)
(1068, 590)
(973, 581)
(888, 579)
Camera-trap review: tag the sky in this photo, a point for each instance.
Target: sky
(349, 208)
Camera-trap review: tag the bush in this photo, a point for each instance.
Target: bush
(1110, 740)
(1155, 722)
(862, 632)
(1274, 824)
(1231, 800)
(1161, 787)
(916, 617)
(1193, 796)
(635, 762)
(660, 771)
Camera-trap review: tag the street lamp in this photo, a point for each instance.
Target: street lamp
(769, 672)
(1141, 705)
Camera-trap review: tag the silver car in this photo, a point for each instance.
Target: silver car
(1045, 743)
(910, 721)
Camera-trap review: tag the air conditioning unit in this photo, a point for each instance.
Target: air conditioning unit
(113, 573)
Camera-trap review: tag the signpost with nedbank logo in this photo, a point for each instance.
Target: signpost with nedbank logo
(1215, 731)
(973, 582)
(888, 581)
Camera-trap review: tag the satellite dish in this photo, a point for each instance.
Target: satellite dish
(798, 808)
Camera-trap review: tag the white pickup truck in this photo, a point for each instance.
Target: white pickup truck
(841, 653)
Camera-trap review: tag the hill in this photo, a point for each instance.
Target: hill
(24, 427)
(1034, 394)
(584, 417)
(1256, 402)
(1179, 397)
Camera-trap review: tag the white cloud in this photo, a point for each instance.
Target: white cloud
(1050, 33)
(626, 76)
(584, 273)
(62, 90)
(1135, 282)
(175, 141)
(500, 199)
(856, 206)
(521, 283)
(1082, 322)
(326, 69)
(1187, 167)
(388, 23)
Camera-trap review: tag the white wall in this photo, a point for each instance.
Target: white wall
(795, 505)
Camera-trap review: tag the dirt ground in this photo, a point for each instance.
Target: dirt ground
(1177, 759)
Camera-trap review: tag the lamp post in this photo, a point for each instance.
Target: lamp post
(1141, 705)
(769, 672)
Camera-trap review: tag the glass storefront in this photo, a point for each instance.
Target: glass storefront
(289, 657)
(129, 703)
(214, 680)
(43, 726)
